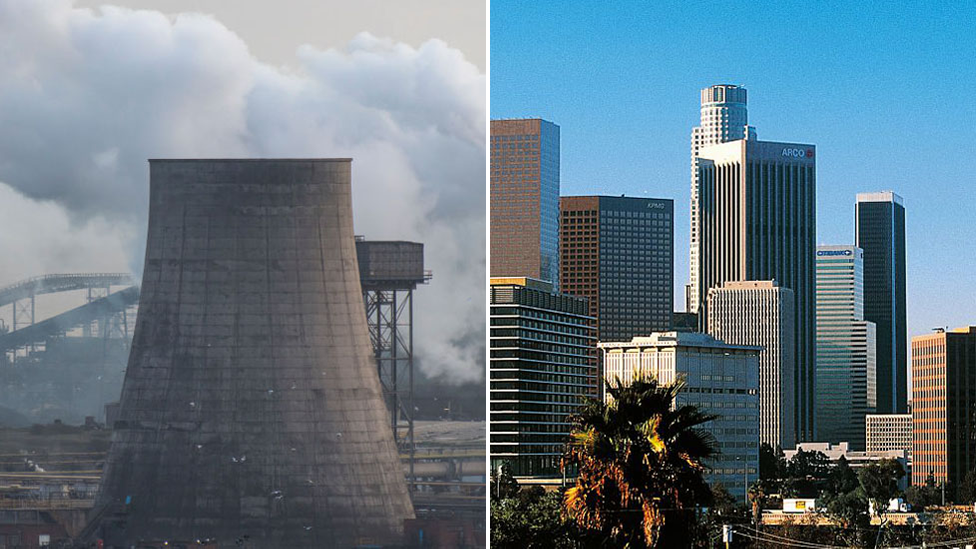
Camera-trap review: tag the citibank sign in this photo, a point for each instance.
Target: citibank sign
(834, 252)
(797, 153)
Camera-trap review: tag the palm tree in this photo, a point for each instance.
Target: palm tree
(640, 465)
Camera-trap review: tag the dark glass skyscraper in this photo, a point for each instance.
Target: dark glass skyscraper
(619, 253)
(757, 221)
(880, 232)
(525, 199)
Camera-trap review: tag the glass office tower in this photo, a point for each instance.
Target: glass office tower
(524, 199)
(757, 204)
(619, 253)
(846, 386)
(879, 220)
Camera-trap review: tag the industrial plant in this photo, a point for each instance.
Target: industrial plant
(268, 367)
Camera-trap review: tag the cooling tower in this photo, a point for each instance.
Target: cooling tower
(251, 411)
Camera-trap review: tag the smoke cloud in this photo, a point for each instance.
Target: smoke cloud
(86, 96)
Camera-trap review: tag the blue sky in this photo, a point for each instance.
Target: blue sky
(887, 94)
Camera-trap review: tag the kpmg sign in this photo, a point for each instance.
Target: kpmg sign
(834, 252)
(792, 152)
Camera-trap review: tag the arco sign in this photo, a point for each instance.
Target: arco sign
(794, 152)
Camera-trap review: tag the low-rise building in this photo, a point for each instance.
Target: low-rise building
(719, 378)
(884, 432)
(855, 459)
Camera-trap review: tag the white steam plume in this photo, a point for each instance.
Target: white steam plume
(86, 96)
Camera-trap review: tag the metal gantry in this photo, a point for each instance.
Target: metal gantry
(389, 314)
(389, 271)
(22, 297)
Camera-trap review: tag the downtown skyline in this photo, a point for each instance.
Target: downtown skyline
(629, 135)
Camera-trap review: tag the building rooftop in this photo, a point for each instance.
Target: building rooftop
(883, 196)
(676, 339)
(748, 284)
(533, 283)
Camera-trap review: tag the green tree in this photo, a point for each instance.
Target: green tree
(532, 518)
(503, 483)
(640, 461)
(841, 479)
(879, 481)
(850, 509)
(772, 462)
(806, 474)
(967, 490)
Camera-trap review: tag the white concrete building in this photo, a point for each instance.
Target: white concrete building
(884, 432)
(719, 379)
(724, 117)
(760, 313)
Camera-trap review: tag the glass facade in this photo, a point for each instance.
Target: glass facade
(540, 370)
(880, 230)
(846, 385)
(757, 204)
(524, 205)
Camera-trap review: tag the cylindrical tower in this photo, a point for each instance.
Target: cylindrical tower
(252, 412)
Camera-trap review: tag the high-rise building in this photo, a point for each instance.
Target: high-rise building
(757, 221)
(760, 313)
(846, 388)
(879, 220)
(885, 432)
(719, 378)
(724, 118)
(943, 393)
(540, 366)
(619, 253)
(524, 207)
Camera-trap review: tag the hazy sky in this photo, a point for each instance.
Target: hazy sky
(274, 30)
(88, 95)
(887, 92)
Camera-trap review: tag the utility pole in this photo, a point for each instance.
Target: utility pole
(727, 535)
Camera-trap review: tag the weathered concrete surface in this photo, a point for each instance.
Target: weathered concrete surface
(251, 404)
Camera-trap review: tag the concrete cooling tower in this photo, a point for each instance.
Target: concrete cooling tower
(251, 412)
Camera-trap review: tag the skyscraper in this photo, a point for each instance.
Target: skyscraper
(879, 220)
(846, 388)
(524, 207)
(724, 118)
(757, 221)
(943, 392)
(760, 313)
(541, 364)
(718, 378)
(619, 253)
